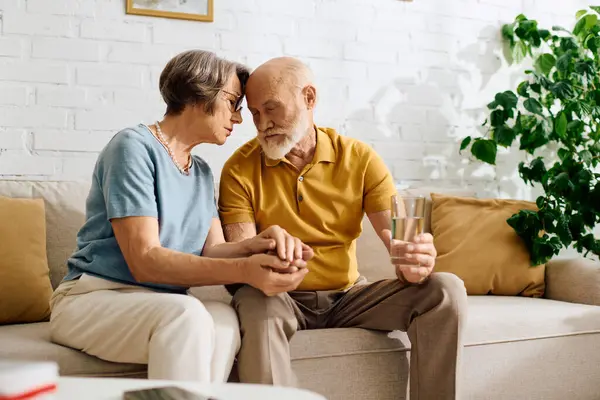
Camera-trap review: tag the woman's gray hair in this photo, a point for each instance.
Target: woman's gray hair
(197, 76)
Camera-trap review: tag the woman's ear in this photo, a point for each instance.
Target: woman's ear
(310, 96)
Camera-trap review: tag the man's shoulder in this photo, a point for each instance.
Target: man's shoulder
(347, 146)
(245, 156)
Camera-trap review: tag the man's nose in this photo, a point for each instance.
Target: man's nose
(263, 123)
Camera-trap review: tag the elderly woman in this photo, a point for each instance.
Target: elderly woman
(152, 232)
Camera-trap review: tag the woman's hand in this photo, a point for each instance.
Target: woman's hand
(272, 275)
(276, 240)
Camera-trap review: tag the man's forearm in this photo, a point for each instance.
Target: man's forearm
(166, 266)
(382, 223)
(239, 232)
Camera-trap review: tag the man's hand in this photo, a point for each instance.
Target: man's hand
(278, 241)
(264, 272)
(416, 260)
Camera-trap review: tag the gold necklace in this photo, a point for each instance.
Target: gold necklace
(163, 140)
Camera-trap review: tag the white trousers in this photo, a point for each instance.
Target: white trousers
(178, 336)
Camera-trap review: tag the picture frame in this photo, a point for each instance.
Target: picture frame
(195, 10)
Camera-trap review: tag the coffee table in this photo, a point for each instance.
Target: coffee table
(70, 388)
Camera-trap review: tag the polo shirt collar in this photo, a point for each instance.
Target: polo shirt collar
(323, 153)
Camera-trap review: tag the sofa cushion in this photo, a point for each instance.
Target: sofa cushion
(32, 342)
(474, 241)
(25, 287)
(65, 213)
(491, 319)
(426, 192)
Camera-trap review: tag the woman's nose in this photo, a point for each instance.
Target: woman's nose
(236, 117)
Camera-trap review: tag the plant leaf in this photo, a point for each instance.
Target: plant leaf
(563, 184)
(508, 32)
(586, 109)
(533, 106)
(563, 154)
(544, 34)
(562, 64)
(522, 89)
(585, 24)
(498, 117)
(580, 13)
(563, 231)
(540, 202)
(533, 140)
(507, 100)
(519, 52)
(545, 63)
(528, 122)
(595, 8)
(484, 150)
(561, 125)
(590, 21)
(579, 27)
(562, 90)
(504, 135)
(586, 156)
(465, 143)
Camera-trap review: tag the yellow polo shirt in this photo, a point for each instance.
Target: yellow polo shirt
(323, 204)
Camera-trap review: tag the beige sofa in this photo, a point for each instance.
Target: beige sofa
(516, 348)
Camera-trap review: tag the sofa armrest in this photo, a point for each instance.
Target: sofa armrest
(575, 280)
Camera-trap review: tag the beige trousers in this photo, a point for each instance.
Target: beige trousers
(178, 336)
(432, 313)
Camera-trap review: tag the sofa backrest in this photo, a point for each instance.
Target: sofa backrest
(65, 213)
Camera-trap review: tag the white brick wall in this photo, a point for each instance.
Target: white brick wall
(409, 78)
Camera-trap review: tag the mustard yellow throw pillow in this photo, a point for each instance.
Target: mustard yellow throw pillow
(25, 287)
(475, 243)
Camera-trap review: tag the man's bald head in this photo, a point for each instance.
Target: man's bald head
(281, 96)
(286, 71)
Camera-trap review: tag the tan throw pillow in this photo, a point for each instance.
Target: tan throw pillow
(25, 287)
(475, 242)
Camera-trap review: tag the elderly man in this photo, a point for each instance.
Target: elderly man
(317, 185)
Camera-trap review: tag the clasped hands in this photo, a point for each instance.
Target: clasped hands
(278, 261)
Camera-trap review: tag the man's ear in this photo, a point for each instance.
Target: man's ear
(310, 96)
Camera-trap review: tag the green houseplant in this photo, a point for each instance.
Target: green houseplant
(557, 105)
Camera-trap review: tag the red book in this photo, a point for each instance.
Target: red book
(28, 380)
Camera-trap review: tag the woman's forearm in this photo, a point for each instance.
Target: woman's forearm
(165, 266)
(228, 250)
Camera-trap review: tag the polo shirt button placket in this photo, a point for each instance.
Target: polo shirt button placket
(300, 197)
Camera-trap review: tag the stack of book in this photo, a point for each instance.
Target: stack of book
(28, 380)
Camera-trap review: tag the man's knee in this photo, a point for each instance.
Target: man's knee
(251, 303)
(450, 289)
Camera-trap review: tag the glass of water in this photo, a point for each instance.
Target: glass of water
(408, 221)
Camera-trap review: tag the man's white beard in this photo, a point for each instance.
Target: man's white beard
(277, 150)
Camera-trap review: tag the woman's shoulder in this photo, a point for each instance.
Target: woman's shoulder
(202, 165)
(135, 140)
(137, 136)
(131, 146)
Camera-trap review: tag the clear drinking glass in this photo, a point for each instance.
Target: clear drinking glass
(408, 221)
